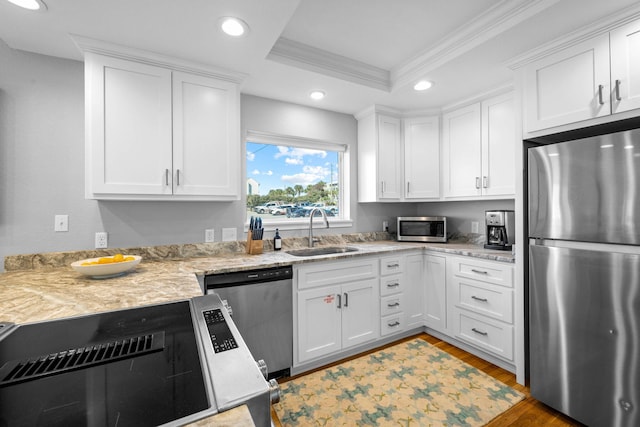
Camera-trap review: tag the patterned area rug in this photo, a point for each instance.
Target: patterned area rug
(410, 384)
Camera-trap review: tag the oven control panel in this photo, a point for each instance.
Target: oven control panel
(219, 332)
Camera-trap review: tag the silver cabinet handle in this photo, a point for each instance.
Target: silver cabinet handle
(346, 299)
(395, 304)
(396, 265)
(600, 99)
(618, 98)
(477, 182)
(479, 299)
(479, 332)
(382, 186)
(339, 300)
(178, 177)
(166, 176)
(408, 183)
(393, 285)
(485, 182)
(479, 271)
(391, 325)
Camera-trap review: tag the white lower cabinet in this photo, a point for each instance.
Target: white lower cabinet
(435, 289)
(481, 304)
(415, 290)
(337, 307)
(392, 295)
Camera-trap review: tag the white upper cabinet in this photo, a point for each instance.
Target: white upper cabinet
(462, 151)
(478, 143)
(422, 158)
(379, 158)
(625, 67)
(398, 159)
(568, 86)
(593, 78)
(153, 133)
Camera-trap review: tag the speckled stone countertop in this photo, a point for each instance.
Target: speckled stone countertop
(43, 286)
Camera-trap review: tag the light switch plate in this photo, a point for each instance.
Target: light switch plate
(61, 223)
(229, 234)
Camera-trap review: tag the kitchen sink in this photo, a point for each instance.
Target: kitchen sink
(322, 251)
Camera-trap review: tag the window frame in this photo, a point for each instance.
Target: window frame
(344, 162)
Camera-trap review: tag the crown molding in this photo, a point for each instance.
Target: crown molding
(589, 31)
(496, 20)
(309, 58)
(89, 45)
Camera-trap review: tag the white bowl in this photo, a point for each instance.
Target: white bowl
(104, 271)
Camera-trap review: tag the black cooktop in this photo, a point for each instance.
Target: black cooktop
(137, 367)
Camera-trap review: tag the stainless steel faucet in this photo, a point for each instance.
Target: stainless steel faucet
(311, 214)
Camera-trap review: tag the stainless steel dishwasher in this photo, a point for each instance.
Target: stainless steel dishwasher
(262, 308)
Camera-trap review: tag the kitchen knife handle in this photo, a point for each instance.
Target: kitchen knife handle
(600, 99)
(166, 176)
(618, 98)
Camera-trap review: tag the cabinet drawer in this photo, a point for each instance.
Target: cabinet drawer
(392, 324)
(493, 337)
(335, 272)
(391, 304)
(391, 285)
(391, 265)
(487, 271)
(485, 299)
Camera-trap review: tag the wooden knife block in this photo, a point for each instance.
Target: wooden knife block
(254, 247)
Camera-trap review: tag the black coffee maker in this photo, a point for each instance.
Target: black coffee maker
(501, 230)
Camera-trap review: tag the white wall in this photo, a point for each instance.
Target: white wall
(42, 167)
(461, 214)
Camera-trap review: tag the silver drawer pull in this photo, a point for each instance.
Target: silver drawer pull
(479, 332)
(396, 323)
(479, 271)
(393, 285)
(618, 97)
(600, 99)
(395, 304)
(478, 298)
(396, 265)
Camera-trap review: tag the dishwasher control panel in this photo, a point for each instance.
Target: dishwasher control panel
(219, 332)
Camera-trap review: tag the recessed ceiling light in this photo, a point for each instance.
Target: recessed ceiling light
(422, 85)
(317, 95)
(29, 4)
(234, 27)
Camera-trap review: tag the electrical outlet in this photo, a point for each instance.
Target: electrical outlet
(385, 225)
(209, 235)
(61, 223)
(474, 226)
(101, 240)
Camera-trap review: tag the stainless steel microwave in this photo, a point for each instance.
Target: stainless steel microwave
(422, 229)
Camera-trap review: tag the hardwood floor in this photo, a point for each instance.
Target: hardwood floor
(528, 412)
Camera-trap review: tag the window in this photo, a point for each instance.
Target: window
(288, 177)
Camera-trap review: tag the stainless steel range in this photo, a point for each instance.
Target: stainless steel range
(167, 364)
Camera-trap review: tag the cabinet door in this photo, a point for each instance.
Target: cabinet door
(498, 146)
(422, 158)
(435, 292)
(319, 322)
(568, 86)
(128, 116)
(625, 67)
(389, 172)
(205, 136)
(462, 152)
(414, 291)
(360, 312)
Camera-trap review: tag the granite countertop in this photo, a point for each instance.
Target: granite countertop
(43, 286)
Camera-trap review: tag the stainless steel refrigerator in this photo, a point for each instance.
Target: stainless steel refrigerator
(584, 278)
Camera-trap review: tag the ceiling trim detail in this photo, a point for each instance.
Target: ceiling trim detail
(86, 44)
(309, 58)
(494, 21)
